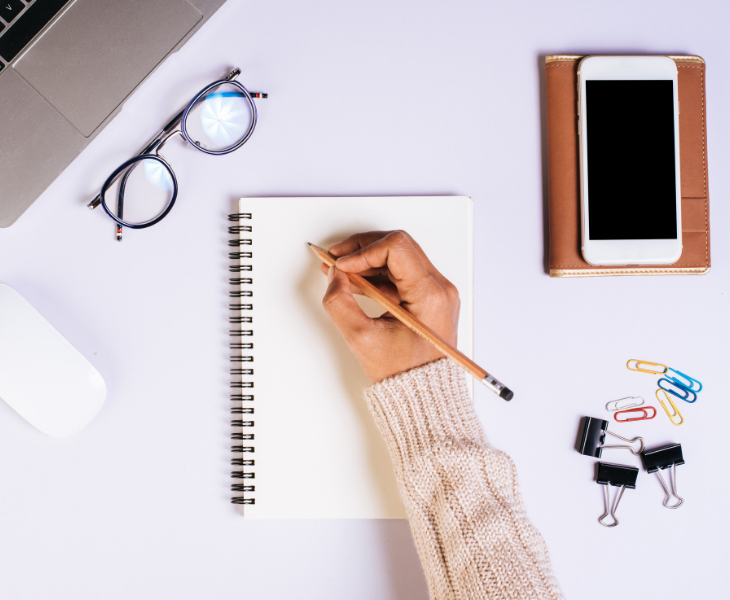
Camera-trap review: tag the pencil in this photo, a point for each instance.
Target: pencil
(414, 324)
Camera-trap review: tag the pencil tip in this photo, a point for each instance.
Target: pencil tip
(308, 244)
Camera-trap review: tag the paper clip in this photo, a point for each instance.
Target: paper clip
(691, 380)
(614, 406)
(682, 380)
(592, 436)
(619, 476)
(663, 458)
(644, 417)
(638, 367)
(674, 406)
(687, 393)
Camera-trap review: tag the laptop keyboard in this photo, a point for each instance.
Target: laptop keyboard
(21, 21)
(11, 9)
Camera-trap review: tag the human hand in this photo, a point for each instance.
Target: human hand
(398, 267)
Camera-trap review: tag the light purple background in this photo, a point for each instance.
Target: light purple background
(366, 98)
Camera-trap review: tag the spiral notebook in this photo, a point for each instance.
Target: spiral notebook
(305, 445)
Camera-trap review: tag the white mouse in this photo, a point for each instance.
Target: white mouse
(42, 376)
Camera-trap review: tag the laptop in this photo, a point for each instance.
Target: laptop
(66, 68)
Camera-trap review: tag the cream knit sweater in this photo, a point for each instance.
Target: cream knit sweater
(461, 495)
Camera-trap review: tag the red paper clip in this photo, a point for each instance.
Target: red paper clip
(643, 409)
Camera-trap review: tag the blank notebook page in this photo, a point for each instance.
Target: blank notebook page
(316, 450)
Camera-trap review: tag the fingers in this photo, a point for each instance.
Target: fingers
(393, 251)
(397, 256)
(342, 308)
(362, 240)
(380, 282)
(324, 267)
(355, 242)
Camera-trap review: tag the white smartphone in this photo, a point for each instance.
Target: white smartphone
(628, 124)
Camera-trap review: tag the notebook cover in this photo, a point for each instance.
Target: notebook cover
(566, 259)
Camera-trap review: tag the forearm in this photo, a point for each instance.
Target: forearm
(461, 495)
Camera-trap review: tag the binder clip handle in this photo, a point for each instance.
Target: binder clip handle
(611, 510)
(631, 441)
(674, 489)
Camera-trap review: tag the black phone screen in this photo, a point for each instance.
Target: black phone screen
(630, 146)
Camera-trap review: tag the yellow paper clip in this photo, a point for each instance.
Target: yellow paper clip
(674, 406)
(639, 368)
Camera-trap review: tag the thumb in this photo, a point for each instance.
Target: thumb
(341, 306)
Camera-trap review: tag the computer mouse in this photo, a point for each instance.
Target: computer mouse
(42, 376)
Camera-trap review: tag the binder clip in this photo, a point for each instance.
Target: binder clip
(624, 403)
(617, 475)
(663, 458)
(593, 433)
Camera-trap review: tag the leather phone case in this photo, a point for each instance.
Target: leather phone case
(566, 258)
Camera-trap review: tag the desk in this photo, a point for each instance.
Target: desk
(367, 98)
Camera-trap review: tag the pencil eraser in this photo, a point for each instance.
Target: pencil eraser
(507, 394)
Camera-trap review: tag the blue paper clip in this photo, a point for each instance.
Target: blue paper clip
(680, 388)
(691, 380)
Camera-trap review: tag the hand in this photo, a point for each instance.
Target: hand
(395, 263)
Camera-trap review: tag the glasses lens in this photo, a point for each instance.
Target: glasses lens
(220, 119)
(146, 189)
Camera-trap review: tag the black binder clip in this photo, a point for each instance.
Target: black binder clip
(593, 433)
(663, 458)
(619, 476)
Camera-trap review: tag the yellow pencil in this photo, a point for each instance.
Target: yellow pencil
(410, 321)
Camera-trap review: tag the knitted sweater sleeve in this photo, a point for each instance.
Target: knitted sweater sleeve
(461, 495)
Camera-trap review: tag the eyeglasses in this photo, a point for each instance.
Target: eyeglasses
(219, 120)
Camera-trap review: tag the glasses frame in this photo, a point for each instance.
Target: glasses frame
(176, 126)
(125, 171)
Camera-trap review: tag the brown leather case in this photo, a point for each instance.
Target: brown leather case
(566, 259)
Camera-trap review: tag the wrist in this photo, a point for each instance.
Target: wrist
(431, 402)
(399, 358)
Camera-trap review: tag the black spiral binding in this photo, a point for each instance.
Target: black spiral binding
(241, 403)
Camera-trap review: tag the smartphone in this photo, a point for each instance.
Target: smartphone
(628, 126)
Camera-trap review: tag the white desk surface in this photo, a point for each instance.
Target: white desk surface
(366, 98)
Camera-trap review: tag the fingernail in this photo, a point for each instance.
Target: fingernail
(331, 275)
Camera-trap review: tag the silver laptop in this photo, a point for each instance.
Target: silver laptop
(66, 68)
